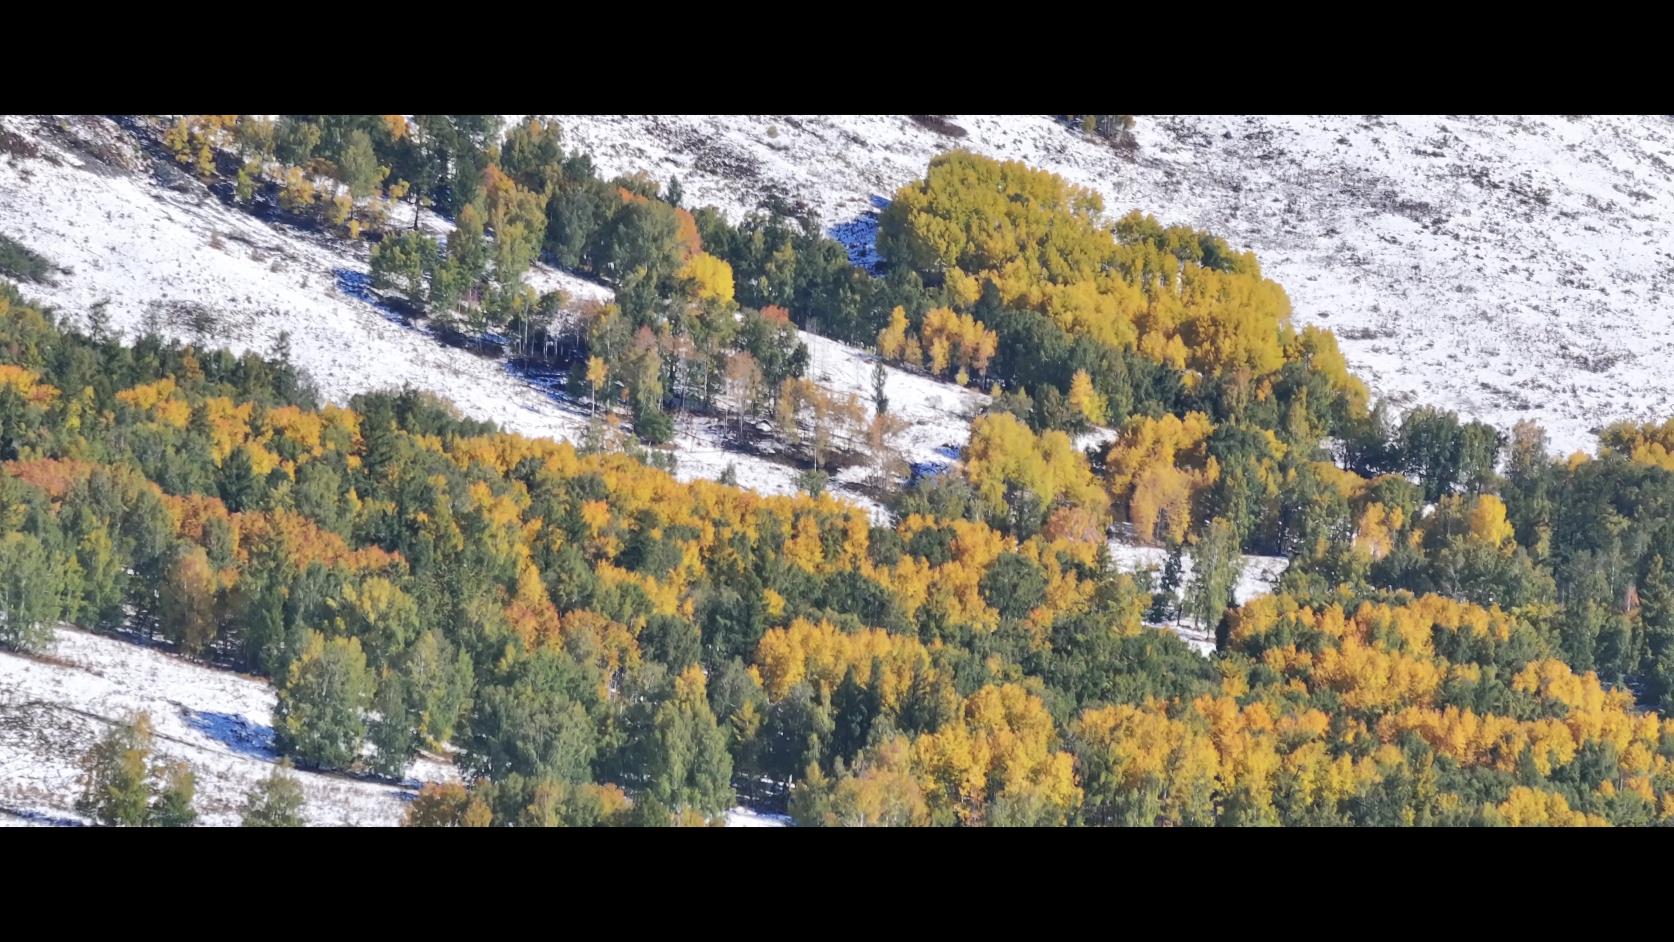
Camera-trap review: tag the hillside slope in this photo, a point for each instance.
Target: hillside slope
(1504, 267)
(54, 708)
(162, 252)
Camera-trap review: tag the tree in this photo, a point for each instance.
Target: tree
(1086, 400)
(1216, 566)
(812, 482)
(689, 766)
(173, 805)
(597, 375)
(533, 155)
(275, 802)
(467, 262)
(517, 217)
(534, 725)
(708, 278)
(358, 166)
(1158, 468)
(881, 792)
(120, 786)
(1015, 471)
(254, 134)
(186, 600)
(384, 619)
(404, 263)
(439, 679)
(320, 719)
(394, 740)
(1656, 614)
(640, 251)
(574, 217)
(294, 139)
(102, 580)
(30, 587)
(116, 789)
(1165, 598)
(1430, 445)
(743, 383)
(795, 733)
(240, 486)
(1013, 586)
(445, 805)
(882, 434)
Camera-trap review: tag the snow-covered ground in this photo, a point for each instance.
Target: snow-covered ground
(1505, 267)
(745, 818)
(1258, 577)
(154, 249)
(142, 246)
(937, 415)
(54, 708)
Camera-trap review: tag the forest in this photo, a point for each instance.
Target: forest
(1470, 630)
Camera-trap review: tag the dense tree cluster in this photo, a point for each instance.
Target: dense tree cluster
(514, 196)
(1469, 631)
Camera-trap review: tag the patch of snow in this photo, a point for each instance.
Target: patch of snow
(746, 818)
(54, 708)
(1258, 577)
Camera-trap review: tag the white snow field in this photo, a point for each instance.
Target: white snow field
(1505, 267)
(53, 709)
(745, 818)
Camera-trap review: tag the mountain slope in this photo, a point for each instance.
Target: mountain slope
(162, 252)
(54, 708)
(1505, 267)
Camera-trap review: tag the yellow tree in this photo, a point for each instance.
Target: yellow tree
(1086, 400)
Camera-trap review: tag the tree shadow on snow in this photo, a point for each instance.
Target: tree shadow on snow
(358, 285)
(47, 818)
(235, 732)
(860, 236)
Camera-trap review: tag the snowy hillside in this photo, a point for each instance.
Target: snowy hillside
(1507, 268)
(55, 707)
(153, 251)
(162, 251)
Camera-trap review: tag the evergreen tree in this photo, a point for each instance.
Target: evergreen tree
(688, 764)
(116, 789)
(30, 592)
(275, 802)
(1166, 598)
(172, 807)
(1656, 614)
(1216, 566)
(394, 740)
(358, 166)
(535, 725)
(320, 719)
(403, 263)
(239, 485)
